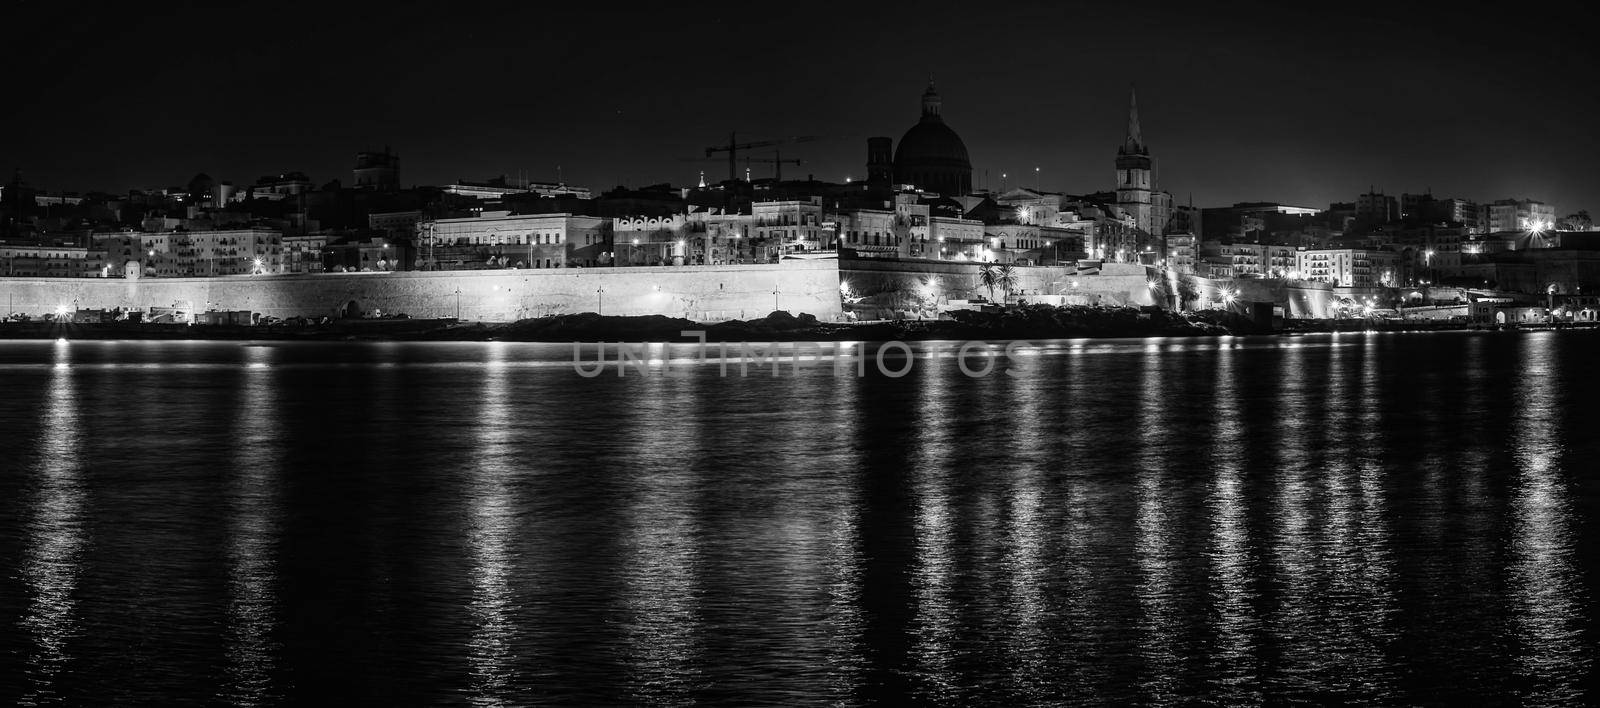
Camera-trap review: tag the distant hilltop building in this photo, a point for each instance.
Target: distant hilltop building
(377, 170)
(280, 185)
(1377, 207)
(930, 156)
(501, 186)
(1520, 215)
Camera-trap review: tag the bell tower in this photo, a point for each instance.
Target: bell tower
(1133, 160)
(1135, 173)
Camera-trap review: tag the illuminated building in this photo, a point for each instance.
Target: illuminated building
(1520, 215)
(499, 239)
(1349, 267)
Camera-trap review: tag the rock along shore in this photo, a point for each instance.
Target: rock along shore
(1025, 322)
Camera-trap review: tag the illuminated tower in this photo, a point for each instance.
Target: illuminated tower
(1134, 169)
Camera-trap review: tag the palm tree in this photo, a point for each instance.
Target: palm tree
(989, 277)
(1006, 279)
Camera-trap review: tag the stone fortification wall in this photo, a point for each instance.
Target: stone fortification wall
(1115, 284)
(706, 293)
(696, 292)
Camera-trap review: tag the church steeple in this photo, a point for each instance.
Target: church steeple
(1134, 143)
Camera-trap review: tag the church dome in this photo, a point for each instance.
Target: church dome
(932, 143)
(930, 155)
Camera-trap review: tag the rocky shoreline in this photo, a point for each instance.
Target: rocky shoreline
(1026, 322)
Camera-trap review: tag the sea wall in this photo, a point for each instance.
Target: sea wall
(1115, 284)
(702, 293)
(1300, 299)
(707, 293)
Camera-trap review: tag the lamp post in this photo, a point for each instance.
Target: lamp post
(426, 230)
(600, 294)
(1550, 304)
(458, 303)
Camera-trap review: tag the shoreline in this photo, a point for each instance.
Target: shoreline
(1030, 322)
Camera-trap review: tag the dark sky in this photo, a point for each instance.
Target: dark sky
(1239, 103)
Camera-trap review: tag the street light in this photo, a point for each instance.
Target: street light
(1550, 301)
(600, 294)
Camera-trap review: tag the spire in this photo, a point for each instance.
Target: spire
(1135, 142)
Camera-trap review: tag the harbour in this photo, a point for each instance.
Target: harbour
(1369, 517)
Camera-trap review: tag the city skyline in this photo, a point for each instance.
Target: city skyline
(472, 96)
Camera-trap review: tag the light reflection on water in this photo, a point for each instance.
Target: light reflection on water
(253, 518)
(1357, 517)
(490, 530)
(56, 538)
(1549, 603)
(1235, 669)
(1026, 568)
(1154, 536)
(1291, 543)
(664, 565)
(934, 570)
(1370, 603)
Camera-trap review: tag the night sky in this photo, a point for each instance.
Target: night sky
(1302, 106)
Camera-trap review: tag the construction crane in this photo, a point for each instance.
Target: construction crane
(777, 162)
(734, 146)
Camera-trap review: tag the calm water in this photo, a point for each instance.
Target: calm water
(1385, 518)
